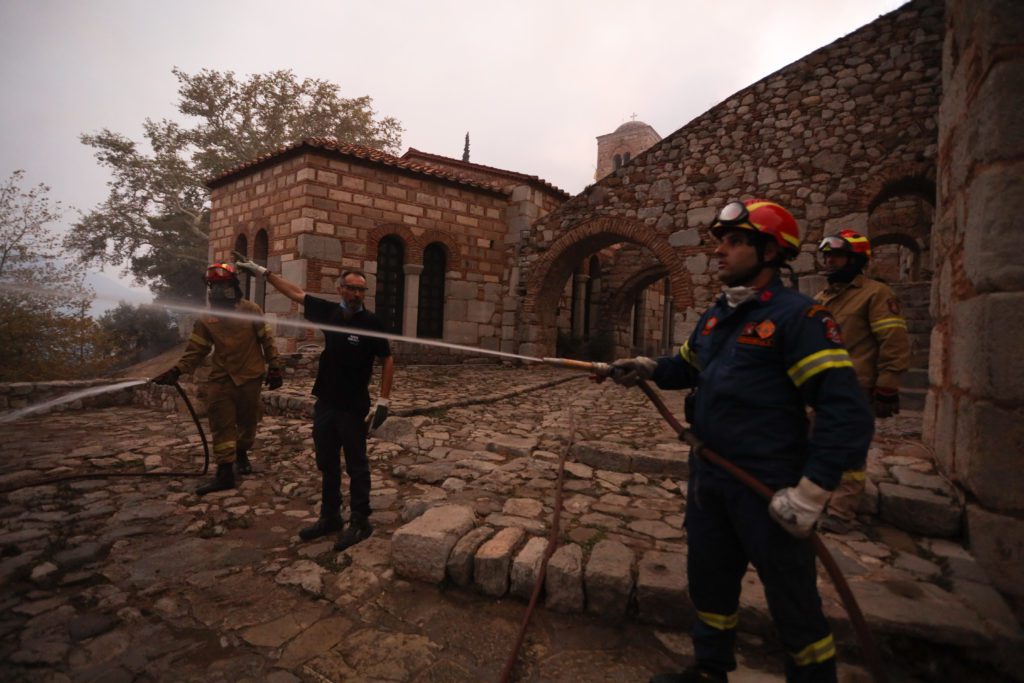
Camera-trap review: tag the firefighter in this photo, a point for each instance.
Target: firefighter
(242, 351)
(875, 334)
(757, 358)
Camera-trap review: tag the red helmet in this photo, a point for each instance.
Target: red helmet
(848, 241)
(221, 272)
(761, 216)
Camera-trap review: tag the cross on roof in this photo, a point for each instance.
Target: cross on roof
(633, 117)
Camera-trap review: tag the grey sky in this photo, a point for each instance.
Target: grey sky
(534, 82)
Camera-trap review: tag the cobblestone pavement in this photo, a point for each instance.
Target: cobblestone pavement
(137, 579)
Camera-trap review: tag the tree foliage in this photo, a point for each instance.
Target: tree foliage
(155, 220)
(45, 329)
(138, 333)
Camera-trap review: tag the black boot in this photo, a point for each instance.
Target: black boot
(242, 464)
(222, 481)
(322, 527)
(359, 529)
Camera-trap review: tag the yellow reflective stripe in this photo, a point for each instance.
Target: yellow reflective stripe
(196, 339)
(816, 652)
(224, 447)
(887, 323)
(854, 475)
(688, 355)
(811, 365)
(721, 622)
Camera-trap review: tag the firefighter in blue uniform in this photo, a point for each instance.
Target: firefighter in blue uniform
(756, 360)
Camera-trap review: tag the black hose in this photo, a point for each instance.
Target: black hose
(110, 475)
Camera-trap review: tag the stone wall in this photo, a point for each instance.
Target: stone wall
(974, 417)
(829, 137)
(325, 211)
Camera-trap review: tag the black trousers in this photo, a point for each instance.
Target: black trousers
(336, 430)
(728, 526)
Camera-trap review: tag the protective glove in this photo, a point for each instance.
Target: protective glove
(630, 371)
(247, 265)
(377, 415)
(797, 508)
(275, 378)
(169, 377)
(885, 401)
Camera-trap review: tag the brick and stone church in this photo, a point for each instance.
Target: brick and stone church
(907, 129)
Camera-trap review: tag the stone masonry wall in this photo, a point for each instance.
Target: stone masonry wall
(323, 213)
(823, 136)
(974, 416)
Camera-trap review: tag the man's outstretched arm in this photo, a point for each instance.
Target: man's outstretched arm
(290, 290)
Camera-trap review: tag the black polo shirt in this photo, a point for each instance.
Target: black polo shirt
(346, 363)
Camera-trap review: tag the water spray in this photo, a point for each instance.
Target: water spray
(69, 398)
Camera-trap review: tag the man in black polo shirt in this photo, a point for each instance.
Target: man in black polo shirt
(340, 421)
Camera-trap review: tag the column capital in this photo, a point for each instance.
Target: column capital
(412, 268)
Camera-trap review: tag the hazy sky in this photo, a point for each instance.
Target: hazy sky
(533, 82)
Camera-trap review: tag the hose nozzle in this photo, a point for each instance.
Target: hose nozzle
(600, 371)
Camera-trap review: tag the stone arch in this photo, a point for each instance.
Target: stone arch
(897, 179)
(621, 300)
(452, 254)
(403, 232)
(556, 265)
(907, 242)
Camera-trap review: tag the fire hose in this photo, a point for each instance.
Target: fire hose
(109, 475)
(869, 648)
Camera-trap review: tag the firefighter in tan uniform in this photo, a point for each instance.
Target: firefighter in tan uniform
(242, 351)
(875, 334)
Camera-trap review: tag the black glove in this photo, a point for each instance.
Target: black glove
(275, 378)
(377, 415)
(885, 401)
(170, 377)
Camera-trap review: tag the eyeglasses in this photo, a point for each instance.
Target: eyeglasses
(354, 288)
(732, 215)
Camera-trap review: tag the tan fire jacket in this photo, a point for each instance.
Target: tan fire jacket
(873, 330)
(241, 348)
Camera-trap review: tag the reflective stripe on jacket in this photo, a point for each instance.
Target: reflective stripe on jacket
(873, 328)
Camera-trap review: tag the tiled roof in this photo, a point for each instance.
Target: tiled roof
(360, 152)
(412, 151)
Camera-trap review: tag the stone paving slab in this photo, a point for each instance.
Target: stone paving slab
(135, 578)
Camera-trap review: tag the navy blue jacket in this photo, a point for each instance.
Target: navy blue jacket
(756, 368)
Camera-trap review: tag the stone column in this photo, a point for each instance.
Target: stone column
(974, 416)
(579, 300)
(412, 298)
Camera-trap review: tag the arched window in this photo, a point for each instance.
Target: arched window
(390, 283)
(625, 158)
(616, 162)
(260, 251)
(430, 318)
(242, 247)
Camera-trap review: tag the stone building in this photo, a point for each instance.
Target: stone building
(907, 129)
(616, 148)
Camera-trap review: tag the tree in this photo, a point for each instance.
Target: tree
(138, 333)
(155, 221)
(45, 329)
(465, 148)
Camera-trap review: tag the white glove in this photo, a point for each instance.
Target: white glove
(630, 371)
(797, 508)
(250, 266)
(377, 415)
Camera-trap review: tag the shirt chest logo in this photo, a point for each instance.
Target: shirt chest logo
(353, 339)
(758, 334)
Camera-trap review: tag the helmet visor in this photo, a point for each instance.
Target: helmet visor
(834, 243)
(732, 215)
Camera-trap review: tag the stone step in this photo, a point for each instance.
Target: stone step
(914, 378)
